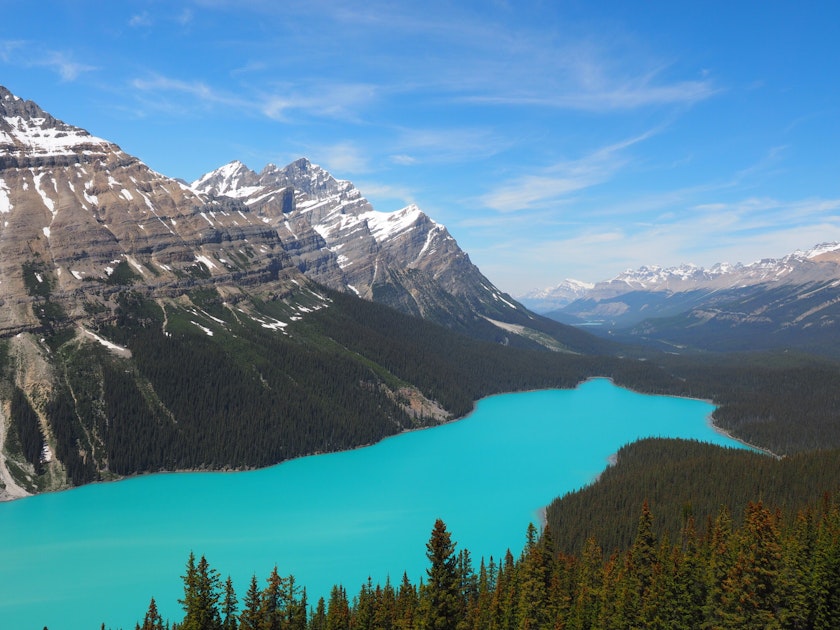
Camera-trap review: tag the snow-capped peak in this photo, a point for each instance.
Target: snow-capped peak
(821, 249)
(28, 131)
(234, 179)
(565, 291)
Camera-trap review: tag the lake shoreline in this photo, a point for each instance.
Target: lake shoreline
(6, 498)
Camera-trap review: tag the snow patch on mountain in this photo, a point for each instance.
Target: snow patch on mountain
(385, 225)
(5, 201)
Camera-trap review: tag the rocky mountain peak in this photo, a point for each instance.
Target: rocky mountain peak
(307, 178)
(13, 105)
(337, 238)
(30, 137)
(234, 179)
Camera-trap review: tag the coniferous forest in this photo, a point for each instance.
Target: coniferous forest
(775, 569)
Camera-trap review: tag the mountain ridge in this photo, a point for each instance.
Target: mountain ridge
(356, 247)
(787, 302)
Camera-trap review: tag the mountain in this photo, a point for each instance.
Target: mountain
(151, 325)
(333, 235)
(789, 302)
(556, 297)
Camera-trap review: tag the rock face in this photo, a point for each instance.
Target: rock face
(334, 236)
(74, 208)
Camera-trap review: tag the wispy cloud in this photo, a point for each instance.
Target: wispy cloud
(387, 193)
(197, 90)
(325, 99)
(185, 17)
(608, 95)
(742, 231)
(64, 65)
(8, 48)
(443, 145)
(344, 157)
(29, 54)
(555, 183)
(284, 103)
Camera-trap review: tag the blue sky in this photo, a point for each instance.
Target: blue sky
(554, 139)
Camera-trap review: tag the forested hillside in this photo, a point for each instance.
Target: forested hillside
(201, 383)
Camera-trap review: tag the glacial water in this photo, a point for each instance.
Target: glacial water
(72, 560)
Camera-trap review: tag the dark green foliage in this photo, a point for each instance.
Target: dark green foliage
(39, 284)
(122, 274)
(249, 396)
(762, 574)
(37, 281)
(443, 589)
(152, 620)
(72, 446)
(137, 436)
(28, 427)
(684, 479)
(201, 596)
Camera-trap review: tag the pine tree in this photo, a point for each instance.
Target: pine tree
(443, 588)
(201, 596)
(152, 620)
(588, 587)
(718, 564)
(229, 603)
(506, 596)
(636, 577)
(385, 604)
(338, 610)
(318, 618)
(272, 602)
(797, 569)
(363, 609)
(689, 587)
(405, 607)
(535, 570)
(825, 583)
(751, 595)
(249, 619)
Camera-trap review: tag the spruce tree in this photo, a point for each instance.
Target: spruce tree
(152, 620)
(443, 588)
(249, 619)
(229, 603)
(201, 596)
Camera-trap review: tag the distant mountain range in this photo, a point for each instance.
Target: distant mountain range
(790, 302)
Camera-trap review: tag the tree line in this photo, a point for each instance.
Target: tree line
(775, 570)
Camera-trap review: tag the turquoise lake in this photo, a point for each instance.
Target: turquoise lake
(71, 560)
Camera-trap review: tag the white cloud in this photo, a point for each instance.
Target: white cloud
(553, 184)
(29, 54)
(205, 94)
(403, 159)
(324, 99)
(343, 157)
(63, 64)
